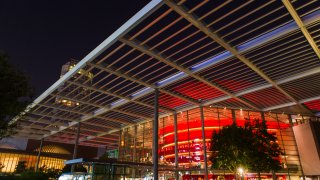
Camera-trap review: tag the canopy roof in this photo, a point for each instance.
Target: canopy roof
(258, 55)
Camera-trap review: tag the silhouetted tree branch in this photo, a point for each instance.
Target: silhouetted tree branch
(15, 94)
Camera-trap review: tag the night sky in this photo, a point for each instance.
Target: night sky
(40, 36)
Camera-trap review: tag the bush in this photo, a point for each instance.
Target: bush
(22, 173)
(27, 175)
(21, 167)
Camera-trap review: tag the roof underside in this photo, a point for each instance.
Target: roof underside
(236, 54)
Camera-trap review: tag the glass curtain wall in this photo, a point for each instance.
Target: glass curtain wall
(9, 161)
(136, 141)
(282, 128)
(136, 146)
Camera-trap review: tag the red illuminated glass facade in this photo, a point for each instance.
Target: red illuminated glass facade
(190, 141)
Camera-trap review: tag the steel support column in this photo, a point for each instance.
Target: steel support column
(120, 144)
(204, 143)
(39, 154)
(75, 149)
(284, 149)
(134, 150)
(233, 115)
(175, 121)
(155, 135)
(263, 117)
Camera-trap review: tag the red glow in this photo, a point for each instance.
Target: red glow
(274, 97)
(313, 105)
(190, 138)
(170, 101)
(234, 85)
(197, 90)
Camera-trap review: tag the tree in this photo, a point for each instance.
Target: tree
(15, 95)
(21, 167)
(265, 150)
(251, 147)
(104, 157)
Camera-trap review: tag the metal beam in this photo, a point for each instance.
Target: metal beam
(95, 114)
(110, 141)
(52, 116)
(61, 128)
(109, 119)
(144, 49)
(76, 100)
(30, 136)
(101, 134)
(261, 87)
(99, 125)
(115, 95)
(48, 122)
(126, 27)
(38, 131)
(302, 26)
(193, 20)
(131, 78)
(72, 142)
(131, 114)
(61, 108)
(72, 135)
(115, 120)
(72, 120)
(92, 130)
(111, 136)
(291, 104)
(44, 121)
(299, 75)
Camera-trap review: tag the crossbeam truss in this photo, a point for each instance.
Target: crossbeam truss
(193, 61)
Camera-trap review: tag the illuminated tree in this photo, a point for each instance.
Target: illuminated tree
(15, 95)
(251, 147)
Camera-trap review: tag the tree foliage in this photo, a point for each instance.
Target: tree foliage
(251, 147)
(15, 95)
(23, 173)
(104, 157)
(21, 167)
